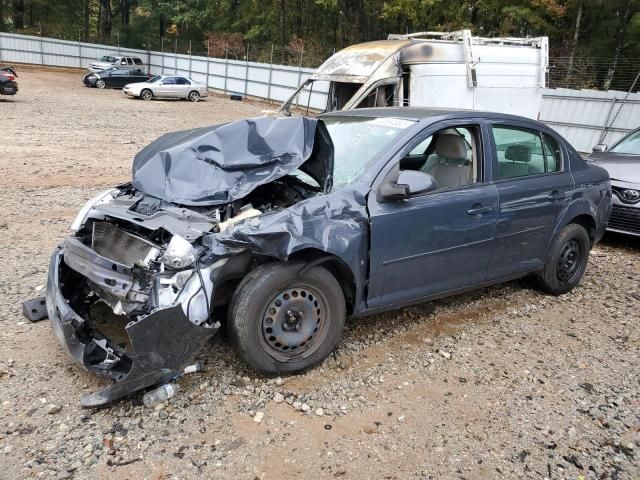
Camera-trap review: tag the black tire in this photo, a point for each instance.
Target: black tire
(146, 94)
(566, 261)
(307, 313)
(193, 96)
(101, 84)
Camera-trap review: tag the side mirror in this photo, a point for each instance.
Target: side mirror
(601, 147)
(410, 182)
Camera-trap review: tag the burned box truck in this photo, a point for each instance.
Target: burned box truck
(448, 70)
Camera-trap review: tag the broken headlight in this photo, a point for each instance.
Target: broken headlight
(102, 197)
(179, 254)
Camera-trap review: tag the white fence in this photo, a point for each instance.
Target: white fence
(271, 82)
(584, 117)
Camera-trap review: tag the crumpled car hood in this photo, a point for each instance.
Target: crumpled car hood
(222, 163)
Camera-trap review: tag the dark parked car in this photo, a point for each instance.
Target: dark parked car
(295, 223)
(8, 84)
(114, 78)
(622, 161)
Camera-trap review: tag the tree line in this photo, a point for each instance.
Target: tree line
(583, 33)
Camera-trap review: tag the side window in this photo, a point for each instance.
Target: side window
(421, 148)
(137, 61)
(552, 153)
(182, 81)
(169, 81)
(381, 96)
(519, 152)
(129, 61)
(451, 156)
(123, 61)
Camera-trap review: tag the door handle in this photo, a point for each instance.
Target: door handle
(555, 195)
(479, 209)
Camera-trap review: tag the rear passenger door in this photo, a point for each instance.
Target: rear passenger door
(119, 78)
(183, 87)
(534, 187)
(138, 64)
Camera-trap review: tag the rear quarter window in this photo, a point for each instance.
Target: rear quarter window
(552, 153)
(137, 61)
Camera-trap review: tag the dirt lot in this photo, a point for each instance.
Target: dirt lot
(502, 383)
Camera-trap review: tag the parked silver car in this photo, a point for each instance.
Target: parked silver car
(167, 86)
(622, 161)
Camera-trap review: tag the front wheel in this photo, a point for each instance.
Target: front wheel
(566, 261)
(281, 321)
(194, 96)
(146, 94)
(100, 84)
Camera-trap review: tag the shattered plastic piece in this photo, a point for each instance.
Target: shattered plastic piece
(219, 164)
(179, 253)
(35, 309)
(196, 367)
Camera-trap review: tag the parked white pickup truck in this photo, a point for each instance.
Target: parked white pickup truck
(431, 69)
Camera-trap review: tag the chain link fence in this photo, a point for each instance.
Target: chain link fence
(593, 73)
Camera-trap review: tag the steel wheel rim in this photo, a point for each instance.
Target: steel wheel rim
(569, 261)
(294, 324)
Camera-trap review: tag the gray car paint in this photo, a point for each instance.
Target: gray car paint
(389, 253)
(624, 170)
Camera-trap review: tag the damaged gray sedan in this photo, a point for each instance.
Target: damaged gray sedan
(292, 224)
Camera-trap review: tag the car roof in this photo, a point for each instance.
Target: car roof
(423, 113)
(164, 75)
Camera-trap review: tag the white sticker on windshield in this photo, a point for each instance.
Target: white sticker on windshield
(392, 122)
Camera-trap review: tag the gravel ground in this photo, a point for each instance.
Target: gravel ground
(505, 382)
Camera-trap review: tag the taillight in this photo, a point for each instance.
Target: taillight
(10, 77)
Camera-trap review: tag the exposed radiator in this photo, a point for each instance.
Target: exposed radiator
(115, 244)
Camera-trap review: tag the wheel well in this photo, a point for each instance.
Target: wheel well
(337, 267)
(588, 223)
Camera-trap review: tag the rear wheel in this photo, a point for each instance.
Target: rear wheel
(281, 321)
(566, 261)
(194, 96)
(100, 84)
(146, 94)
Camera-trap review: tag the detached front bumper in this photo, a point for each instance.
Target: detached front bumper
(160, 344)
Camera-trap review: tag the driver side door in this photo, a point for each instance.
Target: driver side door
(166, 87)
(435, 243)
